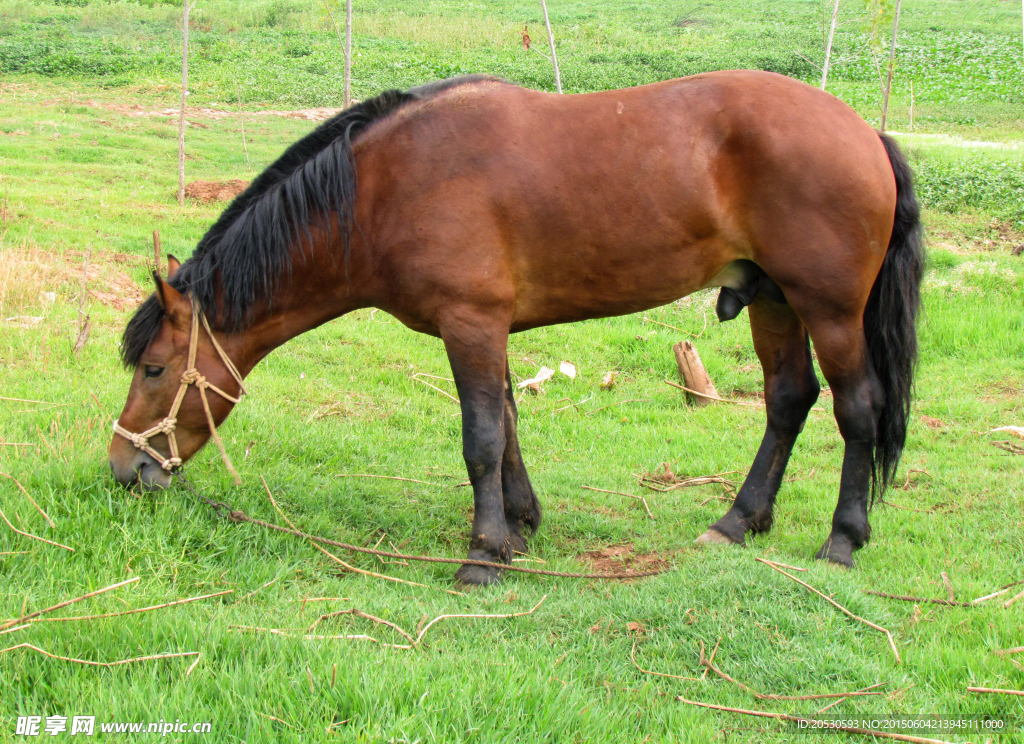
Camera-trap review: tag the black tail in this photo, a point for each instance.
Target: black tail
(890, 321)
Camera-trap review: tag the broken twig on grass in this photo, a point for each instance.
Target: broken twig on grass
(879, 628)
(29, 497)
(15, 629)
(1012, 600)
(33, 537)
(256, 591)
(69, 602)
(623, 493)
(924, 600)
(447, 395)
(997, 593)
(194, 665)
(632, 658)
(131, 612)
(713, 397)
(818, 725)
(784, 565)
(675, 328)
(760, 696)
(384, 477)
(950, 594)
(995, 691)
(427, 627)
(100, 663)
(365, 616)
(299, 633)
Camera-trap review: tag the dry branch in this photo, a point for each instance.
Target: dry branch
(819, 725)
(924, 600)
(364, 615)
(447, 395)
(385, 477)
(632, 658)
(998, 592)
(15, 629)
(1008, 651)
(623, 493)
(712, 397)
(760, 696)
(29, 497)
(33, 537)
(879, 628)
(951, 595)
(299, 633)
(783, 565)
(22, 619)
(1012, 600)
(99, 663)
(423, 632)
(131, 612)
(996, 691)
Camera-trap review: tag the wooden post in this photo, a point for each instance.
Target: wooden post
(692, 373)
(181, 116)
(348, 53)
(892, 57)
(828, 46)
(551, 41)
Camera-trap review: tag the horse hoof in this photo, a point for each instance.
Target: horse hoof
(713, 537)
(838, 550)
(473, 576)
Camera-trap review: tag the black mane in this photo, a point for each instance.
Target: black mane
(247, 250)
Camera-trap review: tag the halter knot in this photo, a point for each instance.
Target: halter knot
(171, 463)
(192, 376)
(167, 425)
(139, 440)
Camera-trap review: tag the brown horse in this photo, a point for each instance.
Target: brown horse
(472, 208)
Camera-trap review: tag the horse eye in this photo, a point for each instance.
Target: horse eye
(154, 371)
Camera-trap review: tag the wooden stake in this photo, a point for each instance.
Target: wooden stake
(181, 115)
(828, 46)
(892, 57)
(551, 42)
(693, 375)
(348, 53)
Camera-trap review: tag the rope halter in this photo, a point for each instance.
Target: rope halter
(191, 376)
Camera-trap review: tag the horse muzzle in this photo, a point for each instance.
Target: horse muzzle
(139, 469)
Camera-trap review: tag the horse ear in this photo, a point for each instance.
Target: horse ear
(166, 295)
(172, 265)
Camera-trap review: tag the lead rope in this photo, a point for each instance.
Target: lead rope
(190, 376)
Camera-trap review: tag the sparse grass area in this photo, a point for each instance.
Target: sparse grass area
(342, 400)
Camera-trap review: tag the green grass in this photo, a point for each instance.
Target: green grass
(562, 674)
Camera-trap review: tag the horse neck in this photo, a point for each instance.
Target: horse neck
(322, 286)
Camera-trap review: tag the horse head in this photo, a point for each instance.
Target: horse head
(169, 416)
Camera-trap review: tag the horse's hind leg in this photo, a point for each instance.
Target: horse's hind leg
(522, 509)
(476, 346)
(790, 388)
(858, 400)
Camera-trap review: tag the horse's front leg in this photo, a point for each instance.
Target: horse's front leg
(476, 347)
(522, 509)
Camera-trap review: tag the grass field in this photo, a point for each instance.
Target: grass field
(342, 400)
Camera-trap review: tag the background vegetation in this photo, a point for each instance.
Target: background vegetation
(87, 168)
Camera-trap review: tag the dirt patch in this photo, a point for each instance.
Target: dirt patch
(618, 557)
(211, 191)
